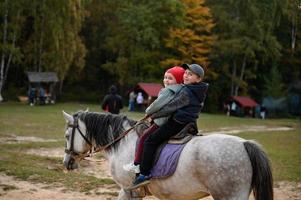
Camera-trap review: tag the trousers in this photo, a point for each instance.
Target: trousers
(154, 140)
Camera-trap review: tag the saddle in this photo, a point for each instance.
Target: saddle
(185, 134)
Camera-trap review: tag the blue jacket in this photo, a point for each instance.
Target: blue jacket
(186, 105)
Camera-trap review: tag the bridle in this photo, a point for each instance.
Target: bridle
(71, 151)
(92, 150)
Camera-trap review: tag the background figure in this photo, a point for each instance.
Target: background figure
(132, 99)
(262, 112)
(31, 96)
(112, 102)
(42, 95)
(140, 101)
(233, 110)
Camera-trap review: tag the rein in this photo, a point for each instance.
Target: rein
(121, 135)
(83, 155)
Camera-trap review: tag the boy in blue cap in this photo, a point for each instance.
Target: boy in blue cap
(184, 108)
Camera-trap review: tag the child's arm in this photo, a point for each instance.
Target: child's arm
(165, 96)
(179, 101)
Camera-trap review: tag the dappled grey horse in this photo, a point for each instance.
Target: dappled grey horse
(226, 167)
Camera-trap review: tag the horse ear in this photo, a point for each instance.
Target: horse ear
(68, 118)
(87, 110)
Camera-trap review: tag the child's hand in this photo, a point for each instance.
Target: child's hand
(149, 119)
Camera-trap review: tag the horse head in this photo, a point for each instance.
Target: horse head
(77, 143)
(92, 131)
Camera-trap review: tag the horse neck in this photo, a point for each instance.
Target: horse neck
(125, 151)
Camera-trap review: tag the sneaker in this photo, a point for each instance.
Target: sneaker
(132, 168)
(141, 180)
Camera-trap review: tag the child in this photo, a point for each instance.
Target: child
(172, 78)
(184, 107)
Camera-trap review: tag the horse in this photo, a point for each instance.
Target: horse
(223, 166)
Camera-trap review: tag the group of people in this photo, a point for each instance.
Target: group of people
(178, 104)
(36, 95)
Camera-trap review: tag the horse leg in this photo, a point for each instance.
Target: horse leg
(127, 195)
(124, 195)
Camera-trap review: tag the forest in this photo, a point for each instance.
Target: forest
(247, 48)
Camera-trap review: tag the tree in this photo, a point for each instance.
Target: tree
(274, 86)
(245, 39)
(191, 43)
(11, 26)
(54, 42)
(134, 41)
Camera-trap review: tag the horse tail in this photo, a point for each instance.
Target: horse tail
(262, 179)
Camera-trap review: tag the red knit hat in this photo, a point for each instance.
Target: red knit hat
(177, 72)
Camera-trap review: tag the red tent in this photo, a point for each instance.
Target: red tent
(244, 101)
(241, 106)
(151, 89)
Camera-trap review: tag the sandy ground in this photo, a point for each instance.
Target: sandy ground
(13, 189)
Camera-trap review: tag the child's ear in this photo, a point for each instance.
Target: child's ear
(200, 79)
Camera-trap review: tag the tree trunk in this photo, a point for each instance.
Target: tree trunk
(241, 74)
(233, 78)
(294, 31)
(41, 39)
(61, 87)
(2, 70)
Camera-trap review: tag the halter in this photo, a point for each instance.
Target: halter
(71, 151)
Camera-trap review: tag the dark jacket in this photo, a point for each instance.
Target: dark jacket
(112, 102)
(186, 105)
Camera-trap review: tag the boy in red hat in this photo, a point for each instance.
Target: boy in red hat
(173, 77)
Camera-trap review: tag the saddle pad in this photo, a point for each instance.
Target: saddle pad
(167, 162)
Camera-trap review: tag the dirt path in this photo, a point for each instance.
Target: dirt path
(13, 189)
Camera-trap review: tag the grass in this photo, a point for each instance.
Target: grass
(47, 122)
(283, 149)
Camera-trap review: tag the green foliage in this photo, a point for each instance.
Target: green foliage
(93, 44)
(53, 42)
(274, 86)
(135, 38)
(245, 39)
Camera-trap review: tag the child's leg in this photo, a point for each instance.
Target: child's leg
(162, 134)
(145, 135)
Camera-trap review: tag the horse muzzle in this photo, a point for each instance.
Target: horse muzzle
(69, 162)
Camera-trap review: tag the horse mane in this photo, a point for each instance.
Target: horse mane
(103, 128)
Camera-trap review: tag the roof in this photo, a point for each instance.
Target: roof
(151, 89)
(42, 77)
(245, 101)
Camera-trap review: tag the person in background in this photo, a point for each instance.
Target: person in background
(42, 95)
(262, 111)
(132, 98)
(32, 96)
(140, 101)
(112, 102)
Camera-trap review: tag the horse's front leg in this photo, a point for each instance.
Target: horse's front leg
(127, 195)
(124, 195)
